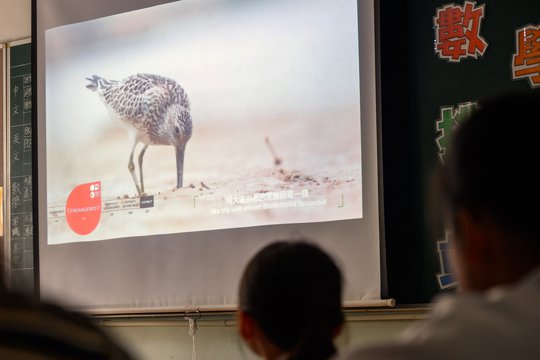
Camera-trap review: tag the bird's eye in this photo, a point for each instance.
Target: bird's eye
(177, 130)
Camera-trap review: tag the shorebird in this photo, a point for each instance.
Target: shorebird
(157, 112)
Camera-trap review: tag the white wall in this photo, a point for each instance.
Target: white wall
(217, 339)
(150, 339)
(15, 20)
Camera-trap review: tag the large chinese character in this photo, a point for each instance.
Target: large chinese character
(450, 118)
(15, 220)
(27, 193)
(526, 60)
(15, 188)
(445, 277)
(27, 80)
(457, 31)
(27, 105)
(28, 230)
(16, 202)
(16, 139)
(15, 231)
(27, 92)
(27, 144)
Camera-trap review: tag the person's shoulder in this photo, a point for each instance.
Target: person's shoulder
(29, 329)
(471, 326)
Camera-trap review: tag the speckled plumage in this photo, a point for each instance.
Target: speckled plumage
(157, 108)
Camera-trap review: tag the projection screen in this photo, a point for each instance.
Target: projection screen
(176, 138)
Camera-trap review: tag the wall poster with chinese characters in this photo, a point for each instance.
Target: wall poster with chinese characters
(19, 154)
(456, 54)
(439, 58)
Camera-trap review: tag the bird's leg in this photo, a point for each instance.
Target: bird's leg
(131, 167)
(141, 154)
(179, 164)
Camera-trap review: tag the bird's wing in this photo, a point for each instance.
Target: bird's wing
(142, 95)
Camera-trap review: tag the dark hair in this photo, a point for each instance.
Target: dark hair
(293, 291)
(493, 164)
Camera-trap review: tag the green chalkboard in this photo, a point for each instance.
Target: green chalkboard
(19, 189)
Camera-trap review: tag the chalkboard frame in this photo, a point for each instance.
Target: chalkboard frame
(3, 270)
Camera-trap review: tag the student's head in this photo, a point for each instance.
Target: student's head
(290, 301)
(491, 183)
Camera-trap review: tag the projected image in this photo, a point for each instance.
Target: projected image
(195, 116)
